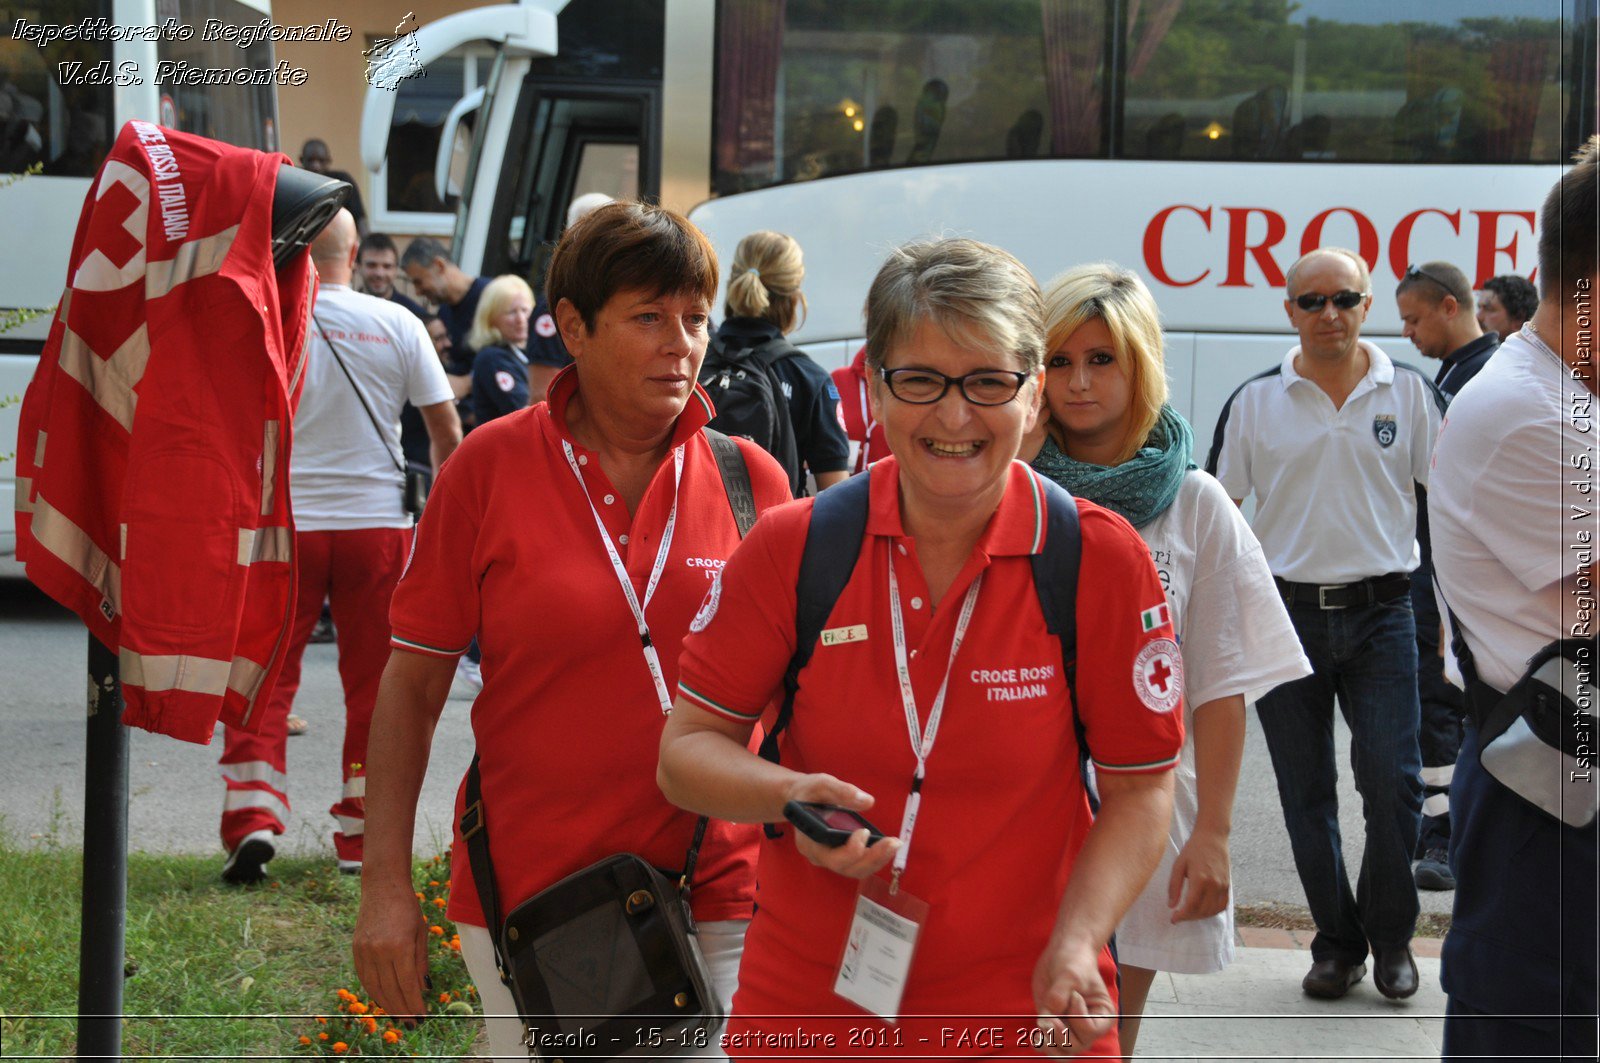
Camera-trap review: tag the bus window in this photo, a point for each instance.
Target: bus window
(242, 115)
(63, 127)
(1328, 79)
(810, 88)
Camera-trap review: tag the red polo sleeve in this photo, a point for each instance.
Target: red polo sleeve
(435, 606)
(1130, 674)
(740, 642)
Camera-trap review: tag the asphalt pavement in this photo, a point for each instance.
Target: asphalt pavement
(176, 793)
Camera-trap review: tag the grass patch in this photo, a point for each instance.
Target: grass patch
(213, 970)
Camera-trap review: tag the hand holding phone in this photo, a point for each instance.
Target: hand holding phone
(828, 825)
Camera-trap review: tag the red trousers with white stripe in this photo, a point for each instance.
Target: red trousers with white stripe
(356, 572)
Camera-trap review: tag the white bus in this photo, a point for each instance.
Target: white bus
(54, 114)
(1205, 143)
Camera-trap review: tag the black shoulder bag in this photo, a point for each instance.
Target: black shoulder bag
(414, 482)
(608, 959)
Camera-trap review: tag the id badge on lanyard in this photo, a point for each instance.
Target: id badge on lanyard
(888, 921)
(652, 659)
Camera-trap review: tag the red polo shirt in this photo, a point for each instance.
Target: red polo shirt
(854, 412)
(568, 722)
(1003, 811)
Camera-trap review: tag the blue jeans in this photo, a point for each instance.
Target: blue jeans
(1368, 658)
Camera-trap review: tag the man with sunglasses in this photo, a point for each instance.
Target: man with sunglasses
(1436, 315)
(1333, 443)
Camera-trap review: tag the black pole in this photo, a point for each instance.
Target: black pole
(105, 863)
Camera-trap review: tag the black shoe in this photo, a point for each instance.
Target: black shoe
(323, 632)
(248, 861)
(1394, 972)
(1331, 979)
(1433, 871)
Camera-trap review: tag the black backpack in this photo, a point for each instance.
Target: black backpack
(748, 395)
(833, 542)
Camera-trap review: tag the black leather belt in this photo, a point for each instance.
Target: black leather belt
(1371, 591)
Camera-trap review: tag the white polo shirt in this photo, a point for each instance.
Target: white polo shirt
(1335, 488)
(1512, 509)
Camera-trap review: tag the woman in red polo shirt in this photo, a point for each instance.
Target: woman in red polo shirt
(935, 674)
(1110, 437)
(529, 534)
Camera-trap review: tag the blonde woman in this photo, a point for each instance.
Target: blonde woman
(1110, 437)
(502, 376)
(764, 304)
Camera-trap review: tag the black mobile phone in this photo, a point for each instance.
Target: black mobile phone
(828, 824)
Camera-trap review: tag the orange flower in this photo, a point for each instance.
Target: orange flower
(322, 1037)
(322, 1020)
(439, 930)
(420, 897)
(357, 1008)
(433, 882)
(444, 998)
(304, 1039)
(438, 902)
(456, 945)
(391, 1036)
(369, 1024)
(345, 994)
(339, 1048)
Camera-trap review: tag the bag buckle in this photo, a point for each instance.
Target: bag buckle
(1322, 594)
(472, 820)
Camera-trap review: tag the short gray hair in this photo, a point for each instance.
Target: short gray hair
(978, 294)
(1343, 252)
(423, 251)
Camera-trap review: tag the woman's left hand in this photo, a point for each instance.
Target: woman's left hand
(1075, 1008)
(1203, 864)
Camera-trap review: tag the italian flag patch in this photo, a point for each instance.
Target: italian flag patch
(1154, 617)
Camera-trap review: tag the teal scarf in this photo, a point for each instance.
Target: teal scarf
(1139, 489)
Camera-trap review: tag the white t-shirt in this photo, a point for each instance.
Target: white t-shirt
(1236, 638)
(1335, 494)
(1512, 509)
(341, 475)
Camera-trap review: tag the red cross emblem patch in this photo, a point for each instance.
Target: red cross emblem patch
(1158, 676)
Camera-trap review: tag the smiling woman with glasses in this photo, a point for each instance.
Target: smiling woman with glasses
(1011, 891)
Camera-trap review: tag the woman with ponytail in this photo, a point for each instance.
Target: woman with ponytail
(1110, 437)
(764, 304)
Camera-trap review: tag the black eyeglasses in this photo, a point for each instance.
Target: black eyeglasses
(1418, 271)
(1313, 302)
(982, 387)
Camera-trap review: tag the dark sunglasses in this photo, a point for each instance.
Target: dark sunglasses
(1313, 302)
(1418, 271)
(985, 387)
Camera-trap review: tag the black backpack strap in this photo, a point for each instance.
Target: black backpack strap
(833, 542)
(735, 479)
(475, 833)
(1055, 580)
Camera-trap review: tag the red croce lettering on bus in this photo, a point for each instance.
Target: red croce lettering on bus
(1488, 233)
(1400, 241)
(1238, 229)
(1153, 235)
(1366, 234)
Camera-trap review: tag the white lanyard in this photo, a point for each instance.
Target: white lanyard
(921, 743)
(652, 660)
(866, 419)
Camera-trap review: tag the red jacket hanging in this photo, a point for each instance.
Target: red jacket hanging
(153, 452)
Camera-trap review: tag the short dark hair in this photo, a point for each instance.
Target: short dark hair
(629, 245)
(1432, 281)
(423, 251)
(1516, 294)
(375, 242)
(1567, 234)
